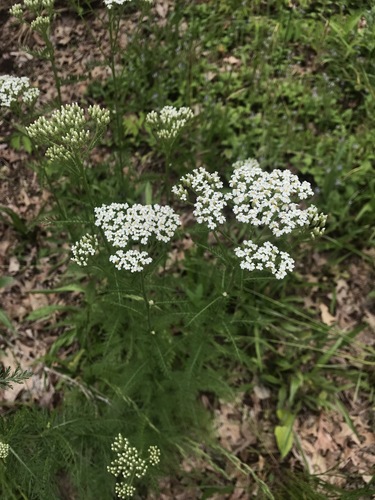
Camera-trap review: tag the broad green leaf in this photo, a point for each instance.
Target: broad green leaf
(284, 439)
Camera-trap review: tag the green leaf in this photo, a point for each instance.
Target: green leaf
(18, 223)
(284, 433)
(284, 439)
(46, 311)
(6, 321)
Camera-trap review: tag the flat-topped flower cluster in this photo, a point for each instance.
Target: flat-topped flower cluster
(125, 225)
(14, 89)
(128, 465)
(260, 199)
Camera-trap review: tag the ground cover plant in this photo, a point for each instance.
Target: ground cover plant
(187, 308)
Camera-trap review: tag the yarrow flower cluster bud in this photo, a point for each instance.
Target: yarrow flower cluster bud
(36, 7)
(14, 89)
(266, 256)
(269, 199)
(4, 450)
(68, 130)
(210, 201)
(40, 23)
(169, 122)
(123, 225)
(83, 248)
(110, 3)
(128, 465)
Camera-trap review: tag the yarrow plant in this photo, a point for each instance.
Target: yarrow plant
(169, 121)
(14, 90)
(123, 225)
(259, 199)
(129, 466)
(69, 131)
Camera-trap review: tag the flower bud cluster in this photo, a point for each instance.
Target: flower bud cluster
(109, 3)
(36, 7)
(269, 199)
(169, 122)
(40, 23)
(68, 130)
(128, 465)
(264, 257)
(14, 89)
(210, 201)
(4, 450)
(85, 247)
(123, 225)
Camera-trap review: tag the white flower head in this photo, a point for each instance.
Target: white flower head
(14, 89)
(264, 257)
(210, 201)
(128, 465)
(84, 248)
(169, 121)
(125, 225)
(270, 198)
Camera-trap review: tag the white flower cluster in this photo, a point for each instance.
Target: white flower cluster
(169, 122)
(266, 256)
(258, 198)
(154, 455)
(269, 199)
(210, 201)
(14, 88)
(132, 260)
(129, 465)
(109, 3)
(4, 450)
(123, 225)
(83, 248)
(68, 129)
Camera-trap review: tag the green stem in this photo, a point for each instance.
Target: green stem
(52, 59)
(118, 133)
(147, 304)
